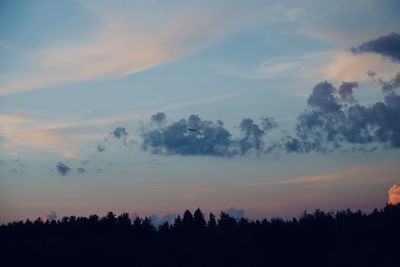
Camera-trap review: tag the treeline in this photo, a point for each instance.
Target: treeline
(342, 238)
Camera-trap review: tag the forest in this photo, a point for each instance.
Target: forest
(319, 238)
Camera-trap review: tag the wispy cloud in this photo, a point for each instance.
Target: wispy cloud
(266, 69)
(332, 65)
(309, 179)
(126, 41)
(22, 131)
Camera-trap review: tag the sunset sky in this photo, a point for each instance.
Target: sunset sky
(154, 107)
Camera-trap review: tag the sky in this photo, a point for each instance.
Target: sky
(262, 108)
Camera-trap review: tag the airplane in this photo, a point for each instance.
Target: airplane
(191, 129)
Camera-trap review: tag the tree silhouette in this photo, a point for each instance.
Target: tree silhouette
(341, 238)
(212, 222)
(199, 221)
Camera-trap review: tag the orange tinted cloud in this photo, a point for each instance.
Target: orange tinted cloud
(394, 195)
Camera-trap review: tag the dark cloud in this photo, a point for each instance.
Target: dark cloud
(387, 46)
(391, 85)
(333, 121)
(159, 118)
(268, 123)
(63, 169)
(81, 170)
(194, 136)
(253, 136)
(346, 90)
(327, 129)
(101, 148)
(323, 97)
(209, 138)
(119, 132)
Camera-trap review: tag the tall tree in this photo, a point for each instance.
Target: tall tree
(199, 221)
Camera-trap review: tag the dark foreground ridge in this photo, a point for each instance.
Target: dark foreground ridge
(343, 238)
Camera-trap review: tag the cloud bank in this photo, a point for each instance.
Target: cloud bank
(335, 119)
(194, 136)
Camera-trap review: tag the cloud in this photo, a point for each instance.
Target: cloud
(338, 66)
(391, 85)
(268, 123)
(159, 118)
(387, 45)
(346, 90)
(333, 121)
(323, 98)
(120, 132)
(194, 136)
(101, 148)
(128, 38)
(266, 69)
(169, 218)
(81, 170)
(253, 136)
(394, 195)
(63, 169)
(22, 130)
(308, 179)
(332, 65)
(50, 216)
(235, 213)
(208, 138)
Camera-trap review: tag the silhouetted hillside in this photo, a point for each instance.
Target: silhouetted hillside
(344, 238)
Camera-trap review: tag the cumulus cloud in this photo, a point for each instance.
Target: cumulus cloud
(333, 121)
(268, 123)
(208, 138)
(235, 213)
(253, 136)
(391, 85)
(119, 132)
(330, 121)
(346, 90)
(50, 216)
(323, 98)
(394, 195)
(387, 46)
(159, 118)
(63, 169)
(194, 136)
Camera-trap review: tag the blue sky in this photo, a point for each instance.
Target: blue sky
(73, 72)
